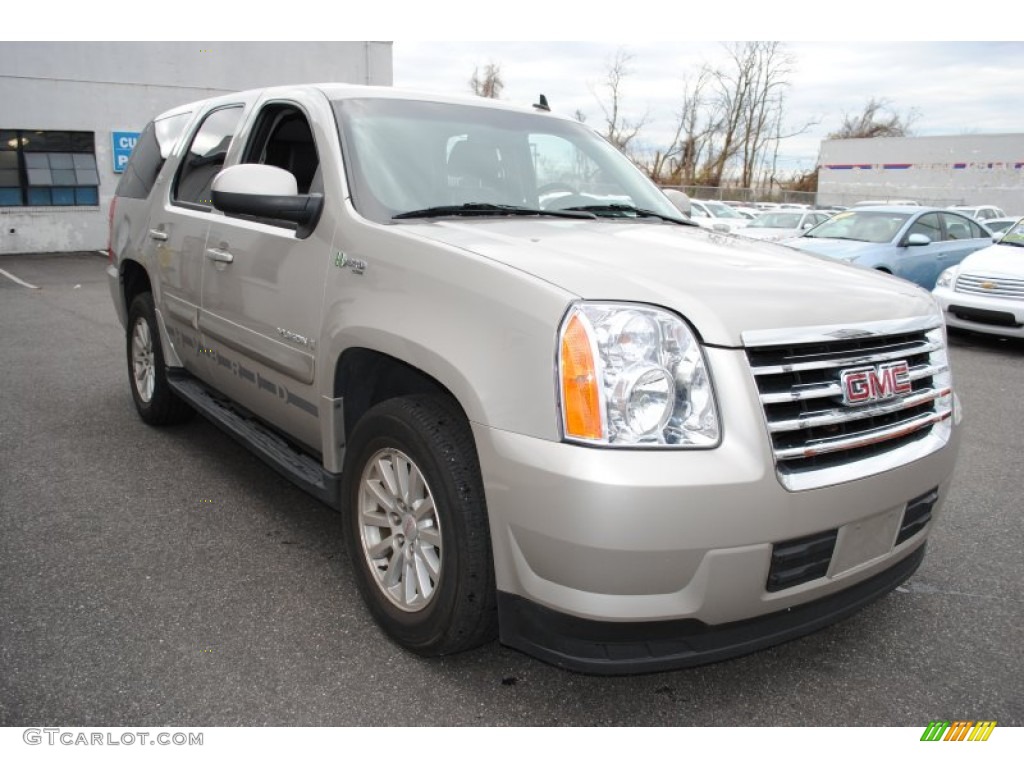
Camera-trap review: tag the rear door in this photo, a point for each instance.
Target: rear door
(177, 230)
(921, 263)
(263, 280)
(962, 236)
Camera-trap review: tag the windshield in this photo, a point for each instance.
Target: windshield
(866, 226)
(776, 221)
(722, 211)
(1014, 235)
(411, 156)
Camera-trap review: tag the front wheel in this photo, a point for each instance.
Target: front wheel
(416, 525)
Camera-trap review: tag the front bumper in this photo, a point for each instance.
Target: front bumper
(650, 537)
(983, 314)
(609, 648)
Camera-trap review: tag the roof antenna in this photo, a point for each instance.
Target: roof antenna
(542, 104)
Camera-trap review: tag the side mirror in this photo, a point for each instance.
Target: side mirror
(918, 239)
(266, 192)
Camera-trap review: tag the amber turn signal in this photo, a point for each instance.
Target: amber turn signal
(580, 396)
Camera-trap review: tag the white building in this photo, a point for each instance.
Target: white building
(969, 169)
(69, 113)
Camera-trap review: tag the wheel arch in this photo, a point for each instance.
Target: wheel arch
(134, 280)
(364, 376)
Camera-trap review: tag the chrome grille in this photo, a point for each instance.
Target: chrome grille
(996, 287)
(818, 440)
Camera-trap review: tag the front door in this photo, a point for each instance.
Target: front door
(263, 285)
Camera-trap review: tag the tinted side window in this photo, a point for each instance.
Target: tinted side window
(205, 157)
(283, 138)
(927, 225)
(960, 227)
(153, 147)
(976, 230)
(143, 167)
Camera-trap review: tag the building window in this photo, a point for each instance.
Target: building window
(48, 168)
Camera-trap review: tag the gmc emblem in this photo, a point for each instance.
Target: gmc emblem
(872, 384)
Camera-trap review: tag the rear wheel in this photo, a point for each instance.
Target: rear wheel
(416, 525)
(154, 400)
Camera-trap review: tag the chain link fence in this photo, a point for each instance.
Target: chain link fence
(745, 195)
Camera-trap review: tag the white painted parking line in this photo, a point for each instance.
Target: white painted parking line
(18, 280)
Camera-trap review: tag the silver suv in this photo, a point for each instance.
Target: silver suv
(547, 407)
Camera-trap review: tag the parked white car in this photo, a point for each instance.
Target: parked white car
(999, 227)
(779, 225)
(979, 212)
(720, 217)
(867, 203)
(747, 211)
(985, 291)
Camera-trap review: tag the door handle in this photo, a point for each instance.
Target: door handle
(216, 254)
(156, 234)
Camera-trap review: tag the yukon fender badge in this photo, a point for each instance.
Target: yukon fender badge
(297, 338)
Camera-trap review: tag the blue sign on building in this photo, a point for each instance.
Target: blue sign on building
(124, 143)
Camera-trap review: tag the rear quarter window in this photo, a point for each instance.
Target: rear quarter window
(153, 147)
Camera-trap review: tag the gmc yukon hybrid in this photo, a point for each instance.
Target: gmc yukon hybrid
(547, 407)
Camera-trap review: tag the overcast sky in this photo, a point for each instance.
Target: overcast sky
(953, 88)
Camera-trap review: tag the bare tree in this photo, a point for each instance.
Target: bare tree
(877, 120)
(695, 125)
(489, 84)
(619, 130)
(731, 116)
(749, 95)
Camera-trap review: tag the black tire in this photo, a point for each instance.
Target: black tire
(432, 433)
(160, 406)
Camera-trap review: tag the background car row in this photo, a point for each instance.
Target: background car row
(911, 241)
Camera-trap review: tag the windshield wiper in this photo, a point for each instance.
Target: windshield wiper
(623, 208)
(1014, 243)
(488, 209)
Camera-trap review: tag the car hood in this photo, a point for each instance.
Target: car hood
(1006, 260)
(724, 285)
(832, 248)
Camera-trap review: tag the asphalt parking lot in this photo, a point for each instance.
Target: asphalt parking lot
(154, 576)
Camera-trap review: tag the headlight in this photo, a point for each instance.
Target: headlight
(946, 278)
(632, 375)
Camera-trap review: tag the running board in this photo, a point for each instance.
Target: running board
(302, 469)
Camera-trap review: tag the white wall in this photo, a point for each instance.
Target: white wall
(971, 169)
(105, 87)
